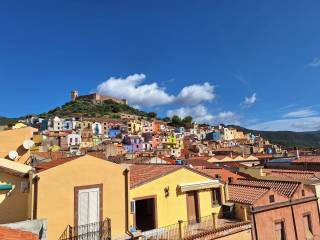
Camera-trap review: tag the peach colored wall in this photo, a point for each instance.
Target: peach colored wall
(264, 200)
(12, 140)
(299, 211)
(265, 223)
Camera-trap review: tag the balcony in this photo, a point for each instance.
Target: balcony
(184, 230)
(93, 231)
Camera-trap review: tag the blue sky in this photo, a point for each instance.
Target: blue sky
(254, 63)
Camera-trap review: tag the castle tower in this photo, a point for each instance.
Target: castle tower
(74, 95)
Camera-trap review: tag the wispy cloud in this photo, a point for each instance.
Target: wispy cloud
(150, 95)
(288, 106)
(201, 115)
(300, 113)
(314, 63)
(294, 124)
(249, 101)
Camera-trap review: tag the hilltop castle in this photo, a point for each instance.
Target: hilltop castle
(96, 98)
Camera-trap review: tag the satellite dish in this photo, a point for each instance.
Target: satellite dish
(13, 155)
(27, 144)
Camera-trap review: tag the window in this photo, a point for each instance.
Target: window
(216, 196)
(303, 193)
(271, 198)
(280, 231)
(218, 176)
(230, 179)
(132, 207)
(307, 226)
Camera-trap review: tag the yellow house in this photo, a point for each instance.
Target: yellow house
(15, 197)
(19, 125)
(76, 191)
(12, 140)
(134, 127)
(162, 195)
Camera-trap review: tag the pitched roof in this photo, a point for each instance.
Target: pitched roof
(142, 173)
(246, 194)
(292, 174)
(53, 163)
(308, 159)
(14, 168)
(283, 187)
(224, 173)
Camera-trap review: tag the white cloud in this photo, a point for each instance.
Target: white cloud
(315, 62)
(297, 125)
(131, 89)
(249, 101)
(194, 94)
(300, 113)
(149, 95)
(200, 114)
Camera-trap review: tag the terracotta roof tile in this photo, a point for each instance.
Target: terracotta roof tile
(53, 163)
(246, 194)
(308, 159)
(225, 174)
(283, 187)
(292, 174)
(142, 173)
(16, 234)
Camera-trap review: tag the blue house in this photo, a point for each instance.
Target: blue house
(113, 132)
(44, 125)
(213, 136)
(180, 130)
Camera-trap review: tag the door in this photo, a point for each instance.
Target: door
(145, 216)
(193, 207)
(88, 209)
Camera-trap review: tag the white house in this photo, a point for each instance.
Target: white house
(97, 128)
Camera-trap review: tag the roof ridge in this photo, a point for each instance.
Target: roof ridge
(269, 180)
(244, 185)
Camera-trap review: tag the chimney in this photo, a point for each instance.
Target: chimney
(262, 174)
(297, 154)
(226, 192)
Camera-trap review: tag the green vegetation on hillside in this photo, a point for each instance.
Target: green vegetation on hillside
(88, 108)
(287, 138)
(4, 121)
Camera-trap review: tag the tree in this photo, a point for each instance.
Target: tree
(187, 121)
(176, 120)
(152, 115)
(166, 119)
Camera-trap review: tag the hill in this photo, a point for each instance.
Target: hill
(4, 121)
(287, 138)
(88, 108)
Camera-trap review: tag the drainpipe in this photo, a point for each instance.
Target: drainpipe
(35, 182)
(226, 192)
(126, 183)
(30, 195)
(255, 236)
(294, 220)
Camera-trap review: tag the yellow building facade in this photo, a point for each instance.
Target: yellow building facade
(57, 186)
(171, 197)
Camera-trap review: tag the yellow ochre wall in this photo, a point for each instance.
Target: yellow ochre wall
(13, 203)
(174, 207)
(12, 140)
(56, 192)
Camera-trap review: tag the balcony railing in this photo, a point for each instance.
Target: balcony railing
(185, 229)
(93, 231)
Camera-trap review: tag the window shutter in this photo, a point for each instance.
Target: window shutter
(133, 207)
